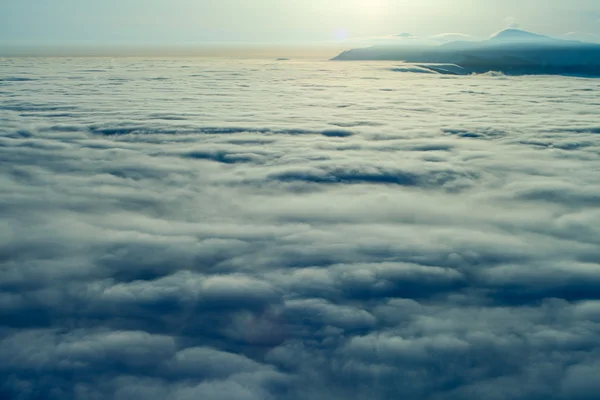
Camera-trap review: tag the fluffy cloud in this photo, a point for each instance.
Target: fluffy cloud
(184, 229)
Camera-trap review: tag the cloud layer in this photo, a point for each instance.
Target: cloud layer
(187, 229)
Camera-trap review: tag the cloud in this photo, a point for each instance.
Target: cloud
(296, 231)
(452, 37)
(403, 39)
(582, 36)
(511, 23)
(404, 35)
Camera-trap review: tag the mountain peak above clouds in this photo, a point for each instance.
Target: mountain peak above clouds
(510, 51)
(518, 35)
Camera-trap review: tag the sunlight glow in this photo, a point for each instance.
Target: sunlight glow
(369, 8)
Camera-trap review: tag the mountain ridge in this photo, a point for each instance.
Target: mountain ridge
(510, 51)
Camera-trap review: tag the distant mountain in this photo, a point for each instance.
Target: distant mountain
(518, 35)
(511, 51)
(513, 37)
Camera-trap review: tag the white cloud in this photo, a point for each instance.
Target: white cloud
(511, 23)
(299, 230)
(453, 37)
(582, 36)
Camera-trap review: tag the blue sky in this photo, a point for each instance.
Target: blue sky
(161, 21)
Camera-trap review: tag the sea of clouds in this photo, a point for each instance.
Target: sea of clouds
(256, 230)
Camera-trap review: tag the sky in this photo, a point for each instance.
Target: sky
(281, 21)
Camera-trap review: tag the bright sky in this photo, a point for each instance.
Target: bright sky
(171, 21)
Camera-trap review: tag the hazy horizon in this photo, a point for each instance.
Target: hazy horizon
(233, 49)
(312, 22)
(225, 50)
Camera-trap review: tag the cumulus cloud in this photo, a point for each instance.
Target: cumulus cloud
(296, 231)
